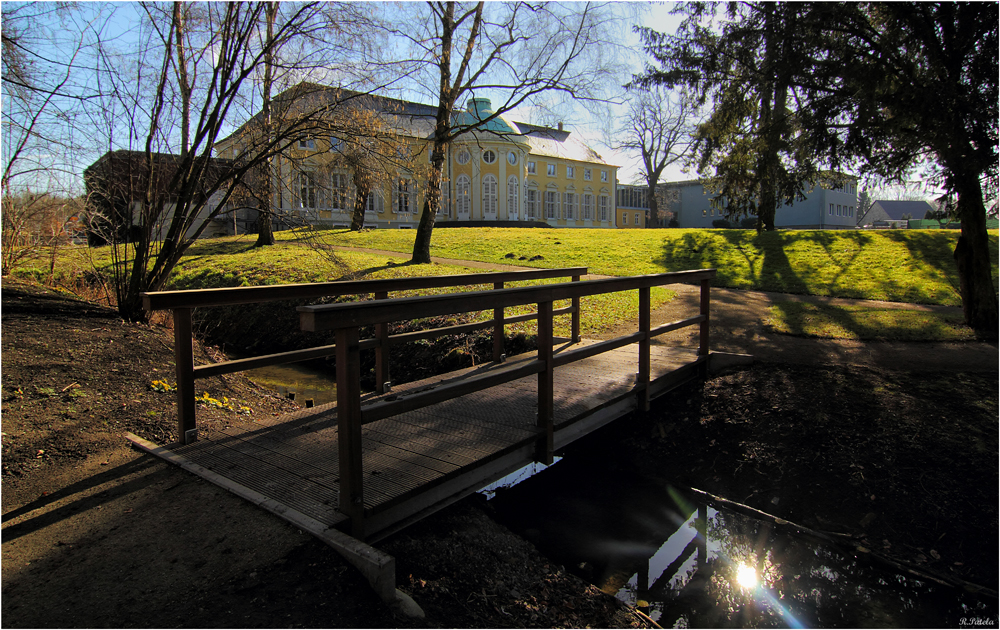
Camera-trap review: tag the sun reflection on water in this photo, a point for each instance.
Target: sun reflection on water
(746, 576)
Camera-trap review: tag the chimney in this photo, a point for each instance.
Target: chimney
(560, 126)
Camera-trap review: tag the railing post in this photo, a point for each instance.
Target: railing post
(575, 332)
(546, 410)
(703, 337)
(349, 428)
(381, 350)
(642, 378)
(497, 329)
(187, 431)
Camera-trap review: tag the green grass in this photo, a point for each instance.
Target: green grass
(866, 323)
(233, 262)
(892, 265)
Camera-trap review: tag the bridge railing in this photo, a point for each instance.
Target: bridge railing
(181, 303)
(346, 321)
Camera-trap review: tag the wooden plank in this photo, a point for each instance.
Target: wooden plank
(304, 496)
(184, 367)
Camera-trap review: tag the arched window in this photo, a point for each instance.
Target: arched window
(489, 196)
(462, 195)
(512, 187)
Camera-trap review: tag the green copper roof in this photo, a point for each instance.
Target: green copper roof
(479, 109)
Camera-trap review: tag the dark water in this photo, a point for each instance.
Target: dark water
(682, 562)
(689, 565)
(302, 380)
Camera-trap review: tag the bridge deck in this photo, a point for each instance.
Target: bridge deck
(422, 460)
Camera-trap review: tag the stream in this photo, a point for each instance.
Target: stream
(684, 563)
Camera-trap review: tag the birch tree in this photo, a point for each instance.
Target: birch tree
(518, 53)
(182, 112)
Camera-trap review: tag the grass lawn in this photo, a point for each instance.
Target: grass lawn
(866, 323)
(234, 262)
(892, 265)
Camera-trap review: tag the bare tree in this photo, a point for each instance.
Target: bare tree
(44, 45)
(516, 52)
(660, 127)
(182, 193)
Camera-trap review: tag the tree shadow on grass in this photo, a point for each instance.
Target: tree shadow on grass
(936, 249)
(809, 320)
(776, 272)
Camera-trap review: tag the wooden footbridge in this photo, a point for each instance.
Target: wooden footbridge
(368, 465)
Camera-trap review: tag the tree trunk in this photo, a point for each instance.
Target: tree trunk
(654, 210)
(777, 30)
(358, 218)
(432, 202)
(972, 255)
(265, 231)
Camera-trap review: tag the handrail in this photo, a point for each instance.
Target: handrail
(231, 296)
(347, 319)
(182, 302)
(328, 316)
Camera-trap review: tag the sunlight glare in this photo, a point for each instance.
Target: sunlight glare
(746, 576)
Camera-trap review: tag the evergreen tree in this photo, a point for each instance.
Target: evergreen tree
(881, 87)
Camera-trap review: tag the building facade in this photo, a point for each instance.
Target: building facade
(831, 204)
(502, 173)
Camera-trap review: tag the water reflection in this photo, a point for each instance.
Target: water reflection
(687, 564)
(300, 380)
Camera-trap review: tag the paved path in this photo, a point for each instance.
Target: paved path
(739, 325)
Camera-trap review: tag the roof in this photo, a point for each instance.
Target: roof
(896, 209)
(547, 141)
(417, 120)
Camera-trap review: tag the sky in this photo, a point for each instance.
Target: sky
(589, 128)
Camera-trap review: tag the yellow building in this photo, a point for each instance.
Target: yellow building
(502, 173)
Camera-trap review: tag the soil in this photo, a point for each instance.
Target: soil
(870, 439)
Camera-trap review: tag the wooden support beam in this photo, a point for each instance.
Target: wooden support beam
(497, 328)
(349, 429)
(575, 328)
(546, 405)
(642, 384)
(706, 285)
(187, 431)
(381, 350)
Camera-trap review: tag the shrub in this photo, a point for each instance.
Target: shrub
(721, 223)
(749, 223)
(673, 223)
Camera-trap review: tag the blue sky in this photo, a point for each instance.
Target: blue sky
(119, 32)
